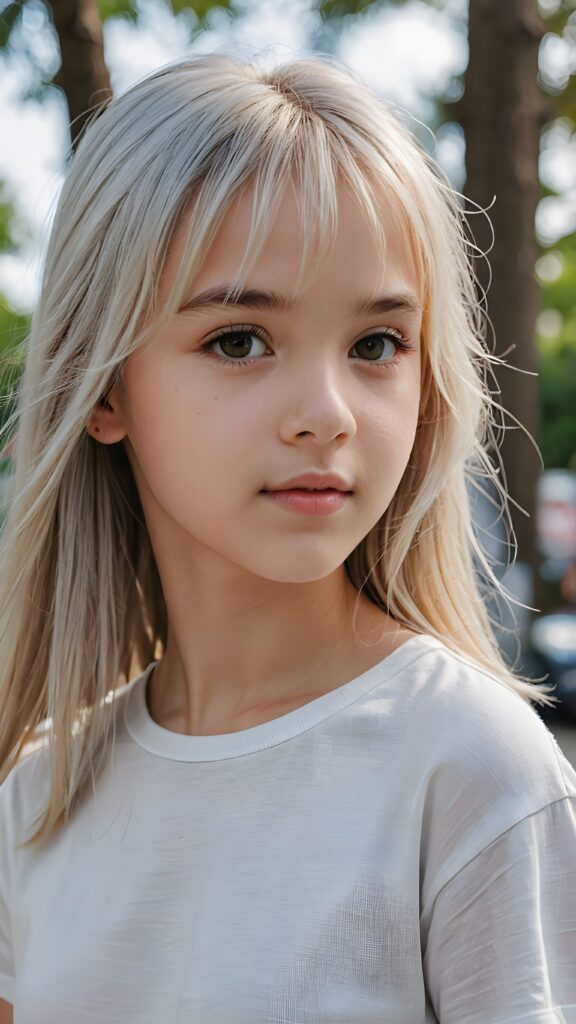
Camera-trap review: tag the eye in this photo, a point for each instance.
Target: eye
(374, 343)
(388, 343)
(237, 340)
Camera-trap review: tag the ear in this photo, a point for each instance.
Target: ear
(107, 422)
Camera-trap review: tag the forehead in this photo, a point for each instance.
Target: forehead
(352, 266)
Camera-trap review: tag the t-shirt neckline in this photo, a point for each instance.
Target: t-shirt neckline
(182, 747)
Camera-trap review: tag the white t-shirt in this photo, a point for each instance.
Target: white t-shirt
(401, 850)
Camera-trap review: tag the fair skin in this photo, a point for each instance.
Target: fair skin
(260, 608)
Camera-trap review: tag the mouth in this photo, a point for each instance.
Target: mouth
(307, 490)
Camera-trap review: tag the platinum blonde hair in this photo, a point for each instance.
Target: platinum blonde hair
(81, 603)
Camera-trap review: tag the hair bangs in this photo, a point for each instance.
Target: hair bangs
(280, 164)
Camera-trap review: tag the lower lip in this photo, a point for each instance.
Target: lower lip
(316, 503)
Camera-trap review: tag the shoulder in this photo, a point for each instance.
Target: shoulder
(484, 761)
(24, 791)
(473, 719)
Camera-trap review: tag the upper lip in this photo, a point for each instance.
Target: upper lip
(319, 481)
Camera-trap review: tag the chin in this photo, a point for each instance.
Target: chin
(298, 570)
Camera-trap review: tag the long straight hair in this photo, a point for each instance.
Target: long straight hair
(81, 602)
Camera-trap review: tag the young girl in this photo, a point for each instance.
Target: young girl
(284, 776)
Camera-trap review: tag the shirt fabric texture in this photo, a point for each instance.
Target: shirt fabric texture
(401, 850)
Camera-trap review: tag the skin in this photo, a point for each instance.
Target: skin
(260, 608)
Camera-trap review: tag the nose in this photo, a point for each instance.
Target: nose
(318, 407)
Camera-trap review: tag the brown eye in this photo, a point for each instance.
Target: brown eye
(373, 346)
(236, 344)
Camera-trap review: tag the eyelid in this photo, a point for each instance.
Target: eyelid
(233, 328)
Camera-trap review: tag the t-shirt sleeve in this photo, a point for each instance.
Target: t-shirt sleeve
(501, 946)
(7, 971)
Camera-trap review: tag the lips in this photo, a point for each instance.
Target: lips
(313, 482)
(319, 502)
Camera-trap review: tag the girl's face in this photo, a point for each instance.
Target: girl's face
(322, 385)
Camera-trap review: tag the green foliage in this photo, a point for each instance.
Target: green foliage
(13, 331)
(344, 8)
(10, 15)
(202, 10)
(340, 9)
(557, 21)
(562, 23)
(13, 327)
(558, 403)
(13, 230)
(126, 9)
(557, 364)
(199, 11)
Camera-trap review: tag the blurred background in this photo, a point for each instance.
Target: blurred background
(489, 88)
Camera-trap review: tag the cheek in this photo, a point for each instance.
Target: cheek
(187, 438)
(390, 420)
(386, 436)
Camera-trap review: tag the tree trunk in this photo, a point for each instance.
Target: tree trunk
(83, 75)
(502, 113)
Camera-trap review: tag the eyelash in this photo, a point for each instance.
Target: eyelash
(402, 344)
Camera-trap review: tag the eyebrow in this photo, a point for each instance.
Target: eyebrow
(253, 298)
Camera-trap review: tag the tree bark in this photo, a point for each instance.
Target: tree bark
(83, 75)
(502, 113)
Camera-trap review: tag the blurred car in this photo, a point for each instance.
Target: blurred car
(553, 635)
(542, 648)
